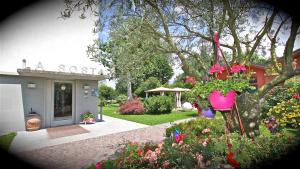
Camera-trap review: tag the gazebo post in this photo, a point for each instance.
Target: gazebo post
(176, 99)
(146, 94)
(179, 99)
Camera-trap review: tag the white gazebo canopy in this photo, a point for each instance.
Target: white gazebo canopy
(177, 90)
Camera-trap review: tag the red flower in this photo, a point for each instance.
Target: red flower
(238, 68)
(229, 158)
(296, 96)
(140, 152)
(216, 69)
(190, 79)
(99, 165)
(180, 137)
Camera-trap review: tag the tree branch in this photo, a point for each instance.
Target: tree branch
(266, 29)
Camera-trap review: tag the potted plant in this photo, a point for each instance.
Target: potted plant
(221, 93)
(87, 117)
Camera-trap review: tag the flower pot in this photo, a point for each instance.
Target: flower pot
(33, 122)
(208, 113)
(221, 102)
(89, 120)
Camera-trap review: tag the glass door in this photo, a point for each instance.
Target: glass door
(63, 103)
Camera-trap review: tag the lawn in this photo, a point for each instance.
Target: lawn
(148, 118)
(5, 140)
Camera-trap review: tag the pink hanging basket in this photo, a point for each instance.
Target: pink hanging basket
(221, 102)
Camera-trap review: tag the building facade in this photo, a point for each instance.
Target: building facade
(58, 97)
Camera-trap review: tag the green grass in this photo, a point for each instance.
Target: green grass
(5, 140)
(149, 119)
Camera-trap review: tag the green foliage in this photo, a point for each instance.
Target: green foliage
(150, 83)
(157, 66)
(121, 99)
(275, 96)
(5, 140)
(86, 115)
(107, 92)
(159, 105)
(287, 113)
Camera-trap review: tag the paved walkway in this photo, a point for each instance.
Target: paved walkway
(26, 141)
(85, 151)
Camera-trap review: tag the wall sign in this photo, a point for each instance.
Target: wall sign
(73, 69)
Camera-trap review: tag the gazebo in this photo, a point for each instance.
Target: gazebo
(177, 90)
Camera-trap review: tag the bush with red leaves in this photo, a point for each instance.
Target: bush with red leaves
(132, 107)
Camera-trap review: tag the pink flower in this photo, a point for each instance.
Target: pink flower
(157, 151)
(296, 96)
(160, 145)
(216, 69)
(238, 68)
(199, 158)
(190, 79)
(204, 131)
(166, 164)
(153, 158)
(205, 142)
(148, 155)
(99, 165)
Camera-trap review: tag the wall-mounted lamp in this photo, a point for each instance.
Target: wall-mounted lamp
(31, 85)
(86, 87)
(63, 87)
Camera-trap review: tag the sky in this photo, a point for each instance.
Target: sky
(36, 34)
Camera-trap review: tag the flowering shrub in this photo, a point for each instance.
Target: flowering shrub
(203, 145)
(271, 124)
(287, 113)
(132, 107)
(159, 105)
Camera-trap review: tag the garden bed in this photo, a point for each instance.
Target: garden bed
(150, 119)
(201, 143)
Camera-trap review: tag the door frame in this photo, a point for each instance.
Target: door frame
(53, 122)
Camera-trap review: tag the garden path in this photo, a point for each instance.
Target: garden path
(80, 154)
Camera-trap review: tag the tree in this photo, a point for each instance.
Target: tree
(150, 83)
(185, 24)
(107, 92)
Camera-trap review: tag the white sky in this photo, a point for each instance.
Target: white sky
(37, 35)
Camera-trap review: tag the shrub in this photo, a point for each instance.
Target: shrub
(121, 99)
(132, 107)
(159, 105)
(274, 96)
(287, 113)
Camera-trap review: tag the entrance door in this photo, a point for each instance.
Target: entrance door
(63, 103)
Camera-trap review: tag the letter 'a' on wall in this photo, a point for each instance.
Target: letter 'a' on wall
(11, 108)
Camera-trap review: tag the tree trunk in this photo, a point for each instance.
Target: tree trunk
(249, 112)
(129, 89)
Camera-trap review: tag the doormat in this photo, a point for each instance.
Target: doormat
(64, 131)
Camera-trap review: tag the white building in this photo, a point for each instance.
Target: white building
(57, 81)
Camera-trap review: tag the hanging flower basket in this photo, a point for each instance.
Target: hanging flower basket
(208, 113)
(221, 102)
